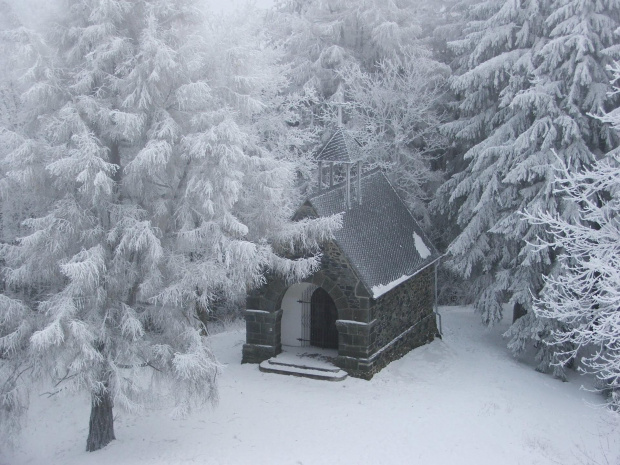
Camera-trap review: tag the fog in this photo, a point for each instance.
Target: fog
(229, 5)
(34, 12)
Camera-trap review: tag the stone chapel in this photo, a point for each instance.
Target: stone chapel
(373, 299)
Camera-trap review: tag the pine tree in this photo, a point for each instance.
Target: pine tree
(323, 36)
(583, 294)
(9, 25)
(494, 59)
(17, 322)
(154, 198)
(530, 73)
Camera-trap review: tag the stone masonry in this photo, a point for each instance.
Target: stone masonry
(371, 332)
(401, 320)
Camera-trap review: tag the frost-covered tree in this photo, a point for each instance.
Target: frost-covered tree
(154, 197)
(529, 72)
(395, 112)
(572, 79)
(368, 55)
(322, 36)
(494, 59)
(583, 292)
(8, 94)
(442, 24)
(17, 51)
(278, 124)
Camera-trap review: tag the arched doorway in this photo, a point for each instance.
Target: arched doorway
(309, 317)
(296, 315)
(323, 316)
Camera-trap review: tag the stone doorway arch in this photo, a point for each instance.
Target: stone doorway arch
(323, 316)
(309, 317)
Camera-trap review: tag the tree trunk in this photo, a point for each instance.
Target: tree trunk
(115, 159)
(518, 311)
(101, 425)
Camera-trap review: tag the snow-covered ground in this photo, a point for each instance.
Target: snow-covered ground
(463, 400)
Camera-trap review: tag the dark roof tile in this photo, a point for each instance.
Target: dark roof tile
(340, 148)
(380, 237)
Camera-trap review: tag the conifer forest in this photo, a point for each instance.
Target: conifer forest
(154, 153)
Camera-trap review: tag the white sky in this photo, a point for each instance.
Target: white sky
(32, 12)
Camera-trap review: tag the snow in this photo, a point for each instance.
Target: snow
(326, 374)
(421, 247)
(380, 289)
(307, 357)
(353, 322)
(460, 400)
(423, 251)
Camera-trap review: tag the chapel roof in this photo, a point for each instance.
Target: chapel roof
(340, 148)
(380, 238)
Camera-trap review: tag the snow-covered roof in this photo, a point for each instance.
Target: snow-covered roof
(380, 237)
(340, 148)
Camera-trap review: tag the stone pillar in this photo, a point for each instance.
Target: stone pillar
(355, 346)
(263, 335)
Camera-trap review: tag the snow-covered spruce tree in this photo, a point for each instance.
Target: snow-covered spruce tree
(530, 72)
(18, 47)
(9, 95)
(322, 36)
(583, 292)
(572, 80)
(278, 124)
(157, 198)
(443, 25)
(494, 60)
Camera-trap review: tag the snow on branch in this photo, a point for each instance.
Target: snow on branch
(584, 293)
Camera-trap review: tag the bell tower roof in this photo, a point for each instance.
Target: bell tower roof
(340, 148)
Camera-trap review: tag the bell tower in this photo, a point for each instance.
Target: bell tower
(341, 156)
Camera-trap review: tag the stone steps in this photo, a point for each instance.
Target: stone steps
(302, 370)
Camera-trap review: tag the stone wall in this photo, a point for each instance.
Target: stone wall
(269, 296)
(371, 333)
(263, 335)
(404, 306)
(402, 320)
(337, 278)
